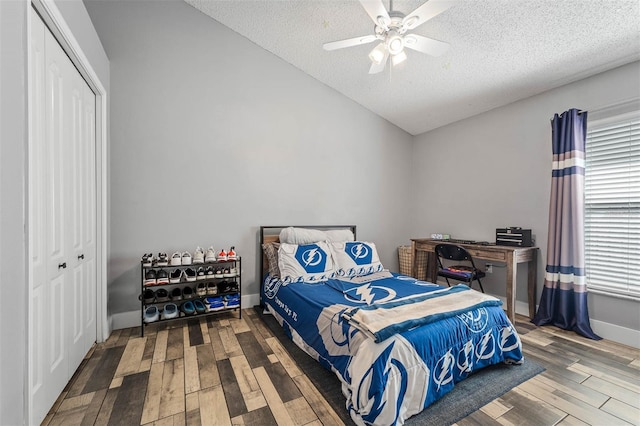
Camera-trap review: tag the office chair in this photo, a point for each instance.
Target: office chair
(465, 273)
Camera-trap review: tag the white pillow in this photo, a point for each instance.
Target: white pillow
(293, 235)
(305, 263)
(356, 258)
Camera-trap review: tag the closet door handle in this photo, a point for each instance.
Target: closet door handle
(62, 265)
(81, 257)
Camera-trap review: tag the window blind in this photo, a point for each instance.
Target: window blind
(612, 209)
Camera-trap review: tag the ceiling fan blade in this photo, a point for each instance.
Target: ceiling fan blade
(349, 42)
(377, 12)
(425, 44)
(377, 68)
(425, 12)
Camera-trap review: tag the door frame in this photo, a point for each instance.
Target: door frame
(57, 25)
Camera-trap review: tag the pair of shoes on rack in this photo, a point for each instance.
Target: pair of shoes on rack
(178, 259)
(162, 260)
(214, 303)
(193, 307)
(153, 277)
(147, 259)
(231, 300)
(152, 313)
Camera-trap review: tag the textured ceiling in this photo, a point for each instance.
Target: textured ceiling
(501, 50)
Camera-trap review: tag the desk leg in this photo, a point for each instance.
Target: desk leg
(414, 256)
(532, 282)
(512, 270)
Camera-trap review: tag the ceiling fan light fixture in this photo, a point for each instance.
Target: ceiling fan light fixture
(398, 58)
(377, 54)
(394, 42)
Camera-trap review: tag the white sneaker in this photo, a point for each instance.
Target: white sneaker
(176, 259)
(210, 256)
(230, 273)
(186, 258)
(198, 256)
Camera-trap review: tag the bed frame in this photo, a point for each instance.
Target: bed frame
(271, 234)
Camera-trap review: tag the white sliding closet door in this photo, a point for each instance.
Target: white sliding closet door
(62, 225)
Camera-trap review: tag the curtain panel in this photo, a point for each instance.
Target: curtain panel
(564, 297)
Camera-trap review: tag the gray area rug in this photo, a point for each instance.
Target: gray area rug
(468, 395)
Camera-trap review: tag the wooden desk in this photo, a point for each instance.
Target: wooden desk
(512, 256)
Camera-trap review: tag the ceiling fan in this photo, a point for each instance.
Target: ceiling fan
(392, 30)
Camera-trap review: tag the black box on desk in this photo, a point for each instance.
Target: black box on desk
(514, 237)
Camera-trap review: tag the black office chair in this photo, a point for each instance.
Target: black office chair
(466, 273)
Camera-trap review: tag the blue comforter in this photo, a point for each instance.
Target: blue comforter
(397, 374)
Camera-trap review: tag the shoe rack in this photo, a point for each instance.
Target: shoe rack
(226, 284)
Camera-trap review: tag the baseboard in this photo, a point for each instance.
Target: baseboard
(613, 332)
(133, 318)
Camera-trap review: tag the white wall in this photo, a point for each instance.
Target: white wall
(212, 136)
(494, 170)
(13, 181)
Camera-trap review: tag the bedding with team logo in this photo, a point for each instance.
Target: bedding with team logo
(422, 348)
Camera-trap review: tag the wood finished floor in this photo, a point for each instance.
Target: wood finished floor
(223, 370)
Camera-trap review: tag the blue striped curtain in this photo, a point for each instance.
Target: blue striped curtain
(564, 296)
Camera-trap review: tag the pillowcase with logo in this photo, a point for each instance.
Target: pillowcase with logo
(356, 258)
(308, 263)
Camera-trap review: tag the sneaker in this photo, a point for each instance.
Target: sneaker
(198, 256)
(188, 308)
(162, 295)
(200, 308)
(214, 303)
(187, 292)
(231, 254)
(176, 294)
(163, 277)
(162, 260)
(147, 259)
(201, 289)
(232, 300)
(169, 311)
(176, 276)
(209, 272)
(200, 274)
(219, 273)
(212, 288)
(190, 274)
(222, 256)
(150, 277)
(149, 296)
(176, 259)
(210, 256)
(186, 258)
(229, 273)
(151, 314)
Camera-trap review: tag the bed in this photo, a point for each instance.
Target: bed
(396, 344)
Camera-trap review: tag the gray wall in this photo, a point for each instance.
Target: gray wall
(212, 136)
(494, 170)
(13, 183)
(13, 291)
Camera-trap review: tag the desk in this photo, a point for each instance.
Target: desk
(512, 256)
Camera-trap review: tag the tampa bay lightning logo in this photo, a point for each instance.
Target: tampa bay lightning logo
(509, 339)
(272, 286)
(312, 258)
(475, 320)
(443, 371)
(360, 253)
(369, 294)
(486, 346)
(465, 358)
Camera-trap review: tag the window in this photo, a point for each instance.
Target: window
(612, 207)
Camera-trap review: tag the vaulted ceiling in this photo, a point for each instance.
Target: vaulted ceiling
(501, 50)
